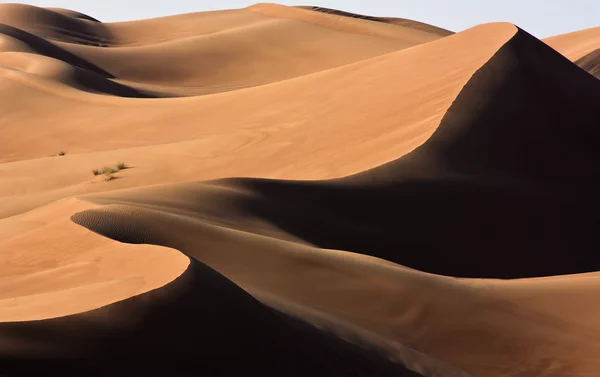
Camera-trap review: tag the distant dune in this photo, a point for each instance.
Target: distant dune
(390, 20)
(296, 191)
(210, 52)
(591, 63)
(577, 44)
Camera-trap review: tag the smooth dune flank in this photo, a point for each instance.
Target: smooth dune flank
(296, 191)
(576, 44)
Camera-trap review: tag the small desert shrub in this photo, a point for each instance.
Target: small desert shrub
(108, 171)
(104, 170)
(62, 153)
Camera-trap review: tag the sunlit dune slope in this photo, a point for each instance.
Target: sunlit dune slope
(576, 44)
(283, 130)
(202, 53)
(77, 270)
(391, 20)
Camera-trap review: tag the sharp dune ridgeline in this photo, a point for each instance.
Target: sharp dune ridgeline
(293, 191)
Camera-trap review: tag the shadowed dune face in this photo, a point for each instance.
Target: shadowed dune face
(55, 24)
(396, 172)
(199, 324)
(58, 71)
(491, 133)
(478, 327)
(46, 48)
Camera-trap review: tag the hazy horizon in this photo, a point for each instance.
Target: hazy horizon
(539, 17)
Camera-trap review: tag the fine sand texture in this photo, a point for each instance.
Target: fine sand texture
(296, 191)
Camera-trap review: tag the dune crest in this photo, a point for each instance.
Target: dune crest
(391, 20)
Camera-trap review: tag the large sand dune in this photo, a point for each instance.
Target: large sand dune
(416, 202)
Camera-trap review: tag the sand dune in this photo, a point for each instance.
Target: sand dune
(391, 20)
(478, 327)
(238, 134)
(201, 323)
(54, 24)
(212, 52)
(224, 224)
(418, 203)
(577, 44)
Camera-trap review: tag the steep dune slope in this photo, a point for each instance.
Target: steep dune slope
(577, 44)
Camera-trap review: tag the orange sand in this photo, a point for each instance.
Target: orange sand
(399, 173)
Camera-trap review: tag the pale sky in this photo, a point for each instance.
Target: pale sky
(542, 18)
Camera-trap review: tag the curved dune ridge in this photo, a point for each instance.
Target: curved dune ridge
(73, 273)
(422, 203)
